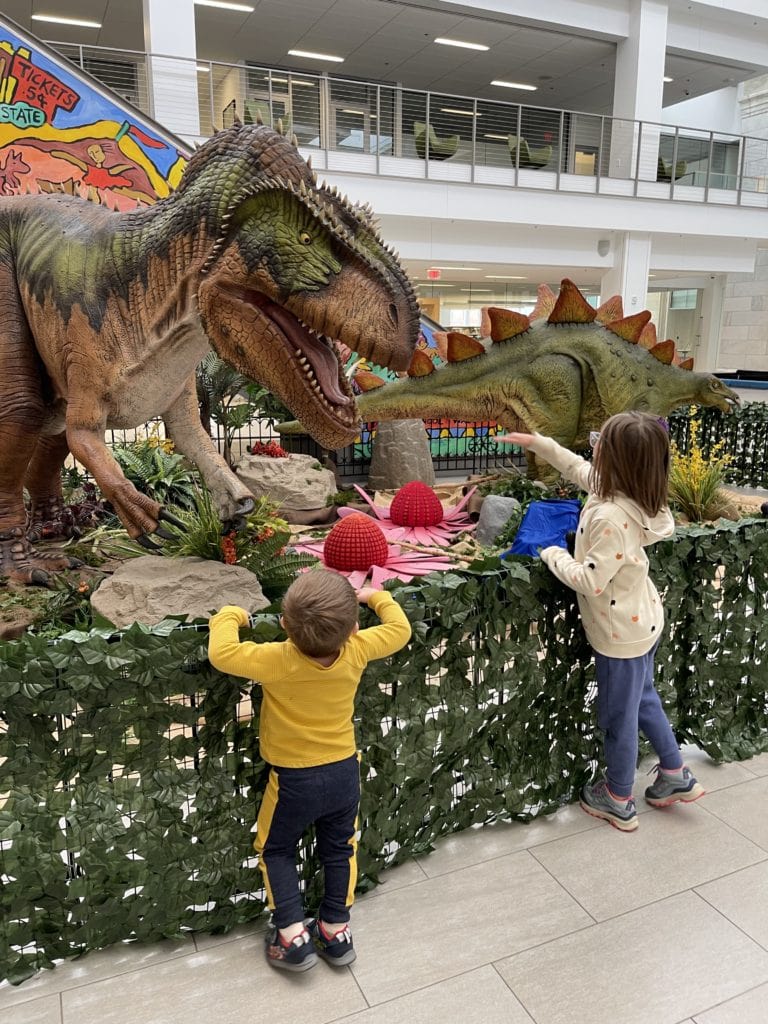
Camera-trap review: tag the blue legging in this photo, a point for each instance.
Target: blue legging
(627, 701)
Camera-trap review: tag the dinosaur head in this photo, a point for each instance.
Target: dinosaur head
(715, 392)
(293, 268)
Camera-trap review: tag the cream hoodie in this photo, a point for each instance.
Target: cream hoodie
(620, 607)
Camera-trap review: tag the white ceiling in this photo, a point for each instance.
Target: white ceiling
(390, 40)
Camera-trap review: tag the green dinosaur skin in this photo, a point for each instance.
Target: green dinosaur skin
(562, 380)
(106, 315)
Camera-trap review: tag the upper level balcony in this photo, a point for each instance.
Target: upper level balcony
(373, 128)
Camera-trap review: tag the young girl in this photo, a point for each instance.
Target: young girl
(620, 607)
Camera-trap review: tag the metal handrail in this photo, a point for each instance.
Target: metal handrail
(544, 154)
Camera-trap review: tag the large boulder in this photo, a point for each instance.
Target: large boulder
(400, 454)
(495, 513)
(150, 588)
(296, 482)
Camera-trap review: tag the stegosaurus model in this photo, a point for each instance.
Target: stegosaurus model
(106, 315)
(561, 372)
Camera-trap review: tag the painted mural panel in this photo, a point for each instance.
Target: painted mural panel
(61, 131)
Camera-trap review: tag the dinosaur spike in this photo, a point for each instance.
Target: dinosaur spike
(506, 324)
(629, 327)
(664, 351)
(485, 323)
(687, 364)
(236, 120)
(294, 140)
(259, 118)
(461, 347)
(309, 161)
(610, 310)
(571, 307)
(368, 381)
(421, 365)
(280, 129)
(545, 302)
(648, 336)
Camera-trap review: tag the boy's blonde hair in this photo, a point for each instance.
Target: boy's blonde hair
(320, 611)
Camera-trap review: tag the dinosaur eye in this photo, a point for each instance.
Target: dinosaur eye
(305, 238)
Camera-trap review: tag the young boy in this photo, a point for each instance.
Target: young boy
(307, 737)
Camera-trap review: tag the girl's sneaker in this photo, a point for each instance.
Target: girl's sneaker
(597, 801)
(297, 955)
(336, 949)
(669, 789)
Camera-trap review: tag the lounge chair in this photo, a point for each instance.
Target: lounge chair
(439, 148)
(664, 171)
(528, 157)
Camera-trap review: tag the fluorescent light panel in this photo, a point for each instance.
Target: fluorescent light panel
(514, 85)
(668, 79)
(435, 266)
(455, 110)
(293, 81)
(463, 45)
(490, 135)
(79, 22)
(245, 8)
(316, 56)
(504, 277)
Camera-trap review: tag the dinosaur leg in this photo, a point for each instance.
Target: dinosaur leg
(49, 519)
(20, 421)
(182, 420)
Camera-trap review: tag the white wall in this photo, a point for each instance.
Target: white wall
(717, 112)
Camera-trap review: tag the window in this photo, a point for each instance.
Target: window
(684, 298)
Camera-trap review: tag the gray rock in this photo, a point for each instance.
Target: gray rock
(400, 454)
(495, 512)
(296, 482)
(149, 588)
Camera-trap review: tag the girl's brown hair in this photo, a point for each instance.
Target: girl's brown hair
(632, 458)
(320, 610)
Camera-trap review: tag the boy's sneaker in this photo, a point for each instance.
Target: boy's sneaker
(669, 789)
(597, 801)
(336, 949)
(297, 955)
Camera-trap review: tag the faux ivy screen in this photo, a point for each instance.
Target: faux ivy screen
(129, 769)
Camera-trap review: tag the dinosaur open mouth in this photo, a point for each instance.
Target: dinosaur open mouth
(314, 354)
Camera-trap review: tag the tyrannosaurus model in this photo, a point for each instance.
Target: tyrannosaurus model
(562, 371)
(106, 315)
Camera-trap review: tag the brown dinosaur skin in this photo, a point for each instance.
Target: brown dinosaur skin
(104, 317)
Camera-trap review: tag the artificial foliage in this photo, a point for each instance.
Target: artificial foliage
(742, 433)
(130, 772)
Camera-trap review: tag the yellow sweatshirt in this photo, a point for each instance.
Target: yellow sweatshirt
(306, 712)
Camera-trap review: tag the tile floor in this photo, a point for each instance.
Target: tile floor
(564, 921)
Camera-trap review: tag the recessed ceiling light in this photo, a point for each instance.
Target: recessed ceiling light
(204, 68)
(316, 56)
(438, 284)
(79, 22)
(349, 110)
(459, 42)
(245, 8)
(504, 277)
(478, 291)
(293, 81)
(455, 110)
(436, 266)
(489, 135)
(514, 85)
(668, 79)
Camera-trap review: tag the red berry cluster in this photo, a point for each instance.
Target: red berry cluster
(272, 450)
(228, 548)
(265, 534)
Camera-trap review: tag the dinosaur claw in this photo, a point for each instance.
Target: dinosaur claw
(39, 578)
(168, 518)
(147, 544)
(246, 506)
(165, 534)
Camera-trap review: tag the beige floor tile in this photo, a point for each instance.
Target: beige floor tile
(46, 1010)
(228, 984)
(478, 997)
(743, 808)
(758, 765)
(743, 898)
(476, 845)
(444, 926)
(104, 963)
(203, 940)
(627, 970)
(672, 850)
(749, 1008)
(409, 873)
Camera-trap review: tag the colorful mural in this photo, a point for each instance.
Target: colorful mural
(61, 131)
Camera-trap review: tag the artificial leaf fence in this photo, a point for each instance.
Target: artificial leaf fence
(129, 770)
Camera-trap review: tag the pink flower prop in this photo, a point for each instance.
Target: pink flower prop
(441, 534)
(356, 546)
